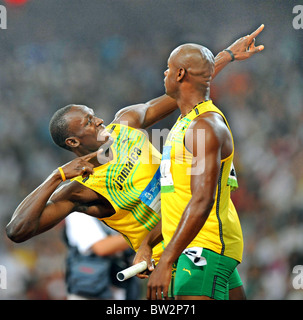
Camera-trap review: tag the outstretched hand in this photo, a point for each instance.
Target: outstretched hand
(244, 47)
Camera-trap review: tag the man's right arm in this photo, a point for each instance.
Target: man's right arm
(144, 115)
(147, 114)
(36, 214)
(40, 211)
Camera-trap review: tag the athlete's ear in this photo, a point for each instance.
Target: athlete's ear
(72, 142)
(181, 74)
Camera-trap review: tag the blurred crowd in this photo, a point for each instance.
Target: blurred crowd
(264, 107)
(262, 99)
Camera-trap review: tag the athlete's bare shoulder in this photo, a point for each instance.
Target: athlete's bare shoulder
(212, 127)
(211, 121)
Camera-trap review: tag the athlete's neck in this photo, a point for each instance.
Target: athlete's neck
(186, 105)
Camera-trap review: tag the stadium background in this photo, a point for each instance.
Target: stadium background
(112, 53)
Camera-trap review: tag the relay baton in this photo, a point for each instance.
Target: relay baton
(131, 271)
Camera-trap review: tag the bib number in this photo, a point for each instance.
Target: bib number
(167, 183)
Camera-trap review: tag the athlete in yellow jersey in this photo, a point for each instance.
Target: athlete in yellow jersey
(125, 181)
(221, 231)
(200, 225)
(119, 184)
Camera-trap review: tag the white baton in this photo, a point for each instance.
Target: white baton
(131, 271)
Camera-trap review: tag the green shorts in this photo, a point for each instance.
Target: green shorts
(211, 280)
(235, 280)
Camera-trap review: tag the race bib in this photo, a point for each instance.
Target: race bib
(167, 183)
(151, 195)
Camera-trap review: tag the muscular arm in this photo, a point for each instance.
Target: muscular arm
(44, 208)
(147, 114)
(205, 172)
(204, 177)
(36, 213)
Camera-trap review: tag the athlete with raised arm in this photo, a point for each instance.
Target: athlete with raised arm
(115, 191)
(200, 225)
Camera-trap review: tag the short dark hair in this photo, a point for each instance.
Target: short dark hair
(58, 127)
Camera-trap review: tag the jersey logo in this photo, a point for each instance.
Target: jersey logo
(127, 168)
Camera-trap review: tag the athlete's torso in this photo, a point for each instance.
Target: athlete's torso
(124, 181)
(221, 231)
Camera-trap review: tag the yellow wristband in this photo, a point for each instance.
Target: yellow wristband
(62, 174)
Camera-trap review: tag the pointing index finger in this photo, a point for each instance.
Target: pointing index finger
(91, 155)
(256, 32)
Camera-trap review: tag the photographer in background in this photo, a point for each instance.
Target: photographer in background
(95, 254)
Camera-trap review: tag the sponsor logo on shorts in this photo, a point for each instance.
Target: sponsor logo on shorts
(187, 271)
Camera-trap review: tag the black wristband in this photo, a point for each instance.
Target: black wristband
(231, 54)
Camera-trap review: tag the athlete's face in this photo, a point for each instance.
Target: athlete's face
(170, 77)
(87, 128)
